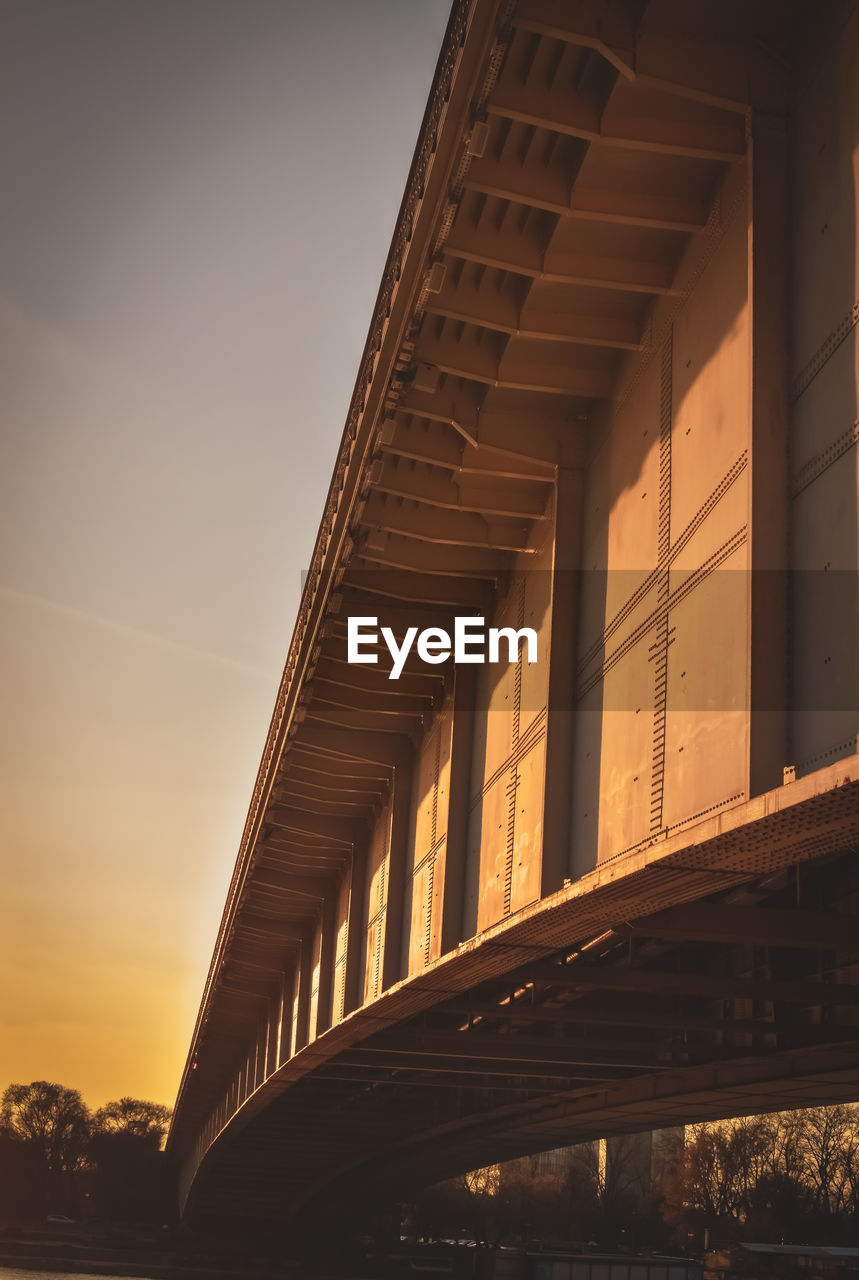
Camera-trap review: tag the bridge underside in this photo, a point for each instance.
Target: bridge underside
(741, 1001)
(609, 393)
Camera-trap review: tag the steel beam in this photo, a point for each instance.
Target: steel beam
(750, 926)
(685, 983)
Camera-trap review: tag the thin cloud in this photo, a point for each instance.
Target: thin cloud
(137, 634)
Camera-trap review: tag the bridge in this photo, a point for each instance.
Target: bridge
(609, 394)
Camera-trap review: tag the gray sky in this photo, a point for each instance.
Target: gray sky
(197, 198)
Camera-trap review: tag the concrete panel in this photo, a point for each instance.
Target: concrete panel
(719, 526)
(707, 723)
(504, 844)
(493, 729)
(825, 691)
(625, 751)
(624, 630)
(824, 521)
(684, 436)
(614, 724)
(824, 415)
(631, 527)
(425, 922)
(826, 169)
(435, 898)
(595, 509)
(527, 813)
(620, 509)
(707, 696)
(425, 801)
(496, 728)
(587, 755)
(487, 848)
(711, 388)
(421, 916)
(536, 613)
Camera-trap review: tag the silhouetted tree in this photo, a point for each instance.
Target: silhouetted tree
(457, 1208)
(53, 1123)
(583, 1211)
(828, 1142)
(571, 1197)
(530, 1202)
(133, 1116)
(777, 1199)
(785, 1176)
(22, 1178)
(128, 1166)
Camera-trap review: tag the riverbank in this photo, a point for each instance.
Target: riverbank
(79, 1250)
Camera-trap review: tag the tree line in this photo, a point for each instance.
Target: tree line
(791, 1176)
(786, 1177)
(59, 1158)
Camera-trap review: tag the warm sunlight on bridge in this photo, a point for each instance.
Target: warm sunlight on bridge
(609, 393)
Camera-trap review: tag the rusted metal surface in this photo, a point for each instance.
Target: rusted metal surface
(575, 414)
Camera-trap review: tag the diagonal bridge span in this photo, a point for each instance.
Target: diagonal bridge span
(609, 394)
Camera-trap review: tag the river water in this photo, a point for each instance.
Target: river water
(16, 1273)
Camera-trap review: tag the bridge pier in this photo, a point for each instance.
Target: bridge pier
(452, 930)
(401, 797)
(769, 273)
(560, 733)
(327, 950)
(352, 994)
(301, 1004)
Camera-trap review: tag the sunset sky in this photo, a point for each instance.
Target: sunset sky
(197, 199)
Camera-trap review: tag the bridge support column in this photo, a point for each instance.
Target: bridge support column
(281, 1040)
(272, 1026)
(304, 979)
(325, 992)
(355, 933)
(456, 844)
(401, 798)
(768, 281)
(566, 560)
(261, 1056)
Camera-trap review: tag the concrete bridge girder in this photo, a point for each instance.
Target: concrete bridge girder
(577, 412)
